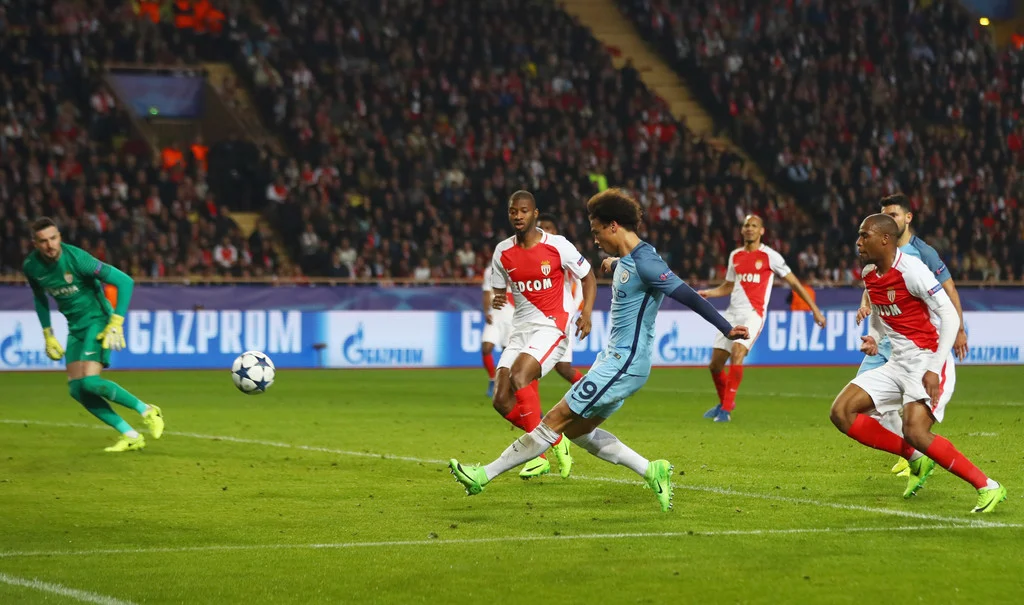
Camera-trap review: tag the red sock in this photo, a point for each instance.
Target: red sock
(489, 364)
(578, 377)
(945, 454)
(721, 380)
(871, 433)
(526, 413)
(733, 385)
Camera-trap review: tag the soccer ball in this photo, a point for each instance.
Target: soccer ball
(253, 373)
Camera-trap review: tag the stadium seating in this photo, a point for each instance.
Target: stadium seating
(846, 102)
(410, 123)
(64, 153)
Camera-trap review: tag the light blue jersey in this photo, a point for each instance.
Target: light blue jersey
(640, 283)
(915, 247)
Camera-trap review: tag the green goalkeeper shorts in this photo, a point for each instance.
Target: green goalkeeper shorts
(83, 346)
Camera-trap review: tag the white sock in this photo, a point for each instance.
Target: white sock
(132, 433)
(992, 484)
(607, 447)
(915, 456)
(522, 450)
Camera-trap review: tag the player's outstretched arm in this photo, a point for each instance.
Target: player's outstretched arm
(960, 344)
(53, 348)
(864, 311)
(723, 289)
(583, 325)
(931, 259)
(656, 274)
(797, 287)
(123, 282)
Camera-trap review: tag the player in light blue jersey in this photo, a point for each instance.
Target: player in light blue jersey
(898, 207)
(641, 280)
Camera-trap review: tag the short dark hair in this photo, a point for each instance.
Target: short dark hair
(41, 223)
(896, 199)
(616, 205)
(547, 216)
(883, 223)
(522, 194)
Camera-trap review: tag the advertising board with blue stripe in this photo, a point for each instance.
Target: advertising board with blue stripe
(405, 339)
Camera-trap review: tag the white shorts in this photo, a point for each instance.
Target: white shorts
(750, 319)
(546, 344)
(898, 383)
(499, 330)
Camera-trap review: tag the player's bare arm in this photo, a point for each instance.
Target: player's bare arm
(738, 333)
(583, 325)
(865, 307)
(869, 342)
(488, 296)
(798, 288)
(723, 289)
(960, 344)
(500, 298)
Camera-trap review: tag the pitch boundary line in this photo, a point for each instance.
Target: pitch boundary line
(463, 541)
(58, 589)
(696, 488)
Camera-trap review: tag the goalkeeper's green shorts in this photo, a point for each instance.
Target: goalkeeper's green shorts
(83, 346)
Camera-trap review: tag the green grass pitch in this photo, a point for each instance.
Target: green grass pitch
(331, 488)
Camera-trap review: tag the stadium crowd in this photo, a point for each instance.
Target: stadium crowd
(410, 123)
(406, 126)
(849, 101)
(65, 153)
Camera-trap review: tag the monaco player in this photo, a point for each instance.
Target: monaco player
(754, 266)
(497, 329)
(898, 207)
(909, 307)
(564, 368)
(534, 264)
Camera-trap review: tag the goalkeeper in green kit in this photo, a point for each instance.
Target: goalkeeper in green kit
(75, 279)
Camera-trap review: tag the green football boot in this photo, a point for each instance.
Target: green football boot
(659, 479)
(563, 457)
(127, 444)
(535, 468)
(989, 498)
(920, 470)
(473, 478)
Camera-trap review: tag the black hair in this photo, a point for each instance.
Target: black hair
(41, 223)
(616, 205)
(896, 199)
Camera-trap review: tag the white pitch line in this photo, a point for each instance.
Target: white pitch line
(698, 488)
(461, 541)
(57, 589)
(837, 505)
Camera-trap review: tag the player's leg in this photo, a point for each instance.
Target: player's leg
(891, 419)
(564, 365)
(520, 406)
(544, 348)
(918, 419)
(98, 358)
(95, 405)
(736, 357)
(719, 355)
(487, 353)
(851, 410)
(598, 402)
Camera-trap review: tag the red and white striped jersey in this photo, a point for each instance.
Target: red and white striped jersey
(504, 313)
(537, 277)
(753, 273)
(905, 299)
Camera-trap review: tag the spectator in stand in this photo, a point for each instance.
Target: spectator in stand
(847, 102)
(429, 152)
